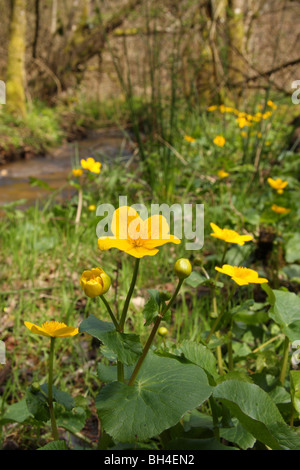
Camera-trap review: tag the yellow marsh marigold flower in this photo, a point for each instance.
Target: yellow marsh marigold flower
(219, 141)
(271, 104)
(242, 276)
(222, 174)
(243, 122)
(52, 329)
(91, 165)
(189, 139)
(280, 210)
(212, 108)
(267, 115)
(95, 282)
(229, 236)
(278, 184)
(136, 236)
(77, 172)
(92, 207)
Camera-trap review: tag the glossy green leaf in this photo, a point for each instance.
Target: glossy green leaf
(196, 444)
(63, 398)
(238, 435)
(126, 346)
(200, 355)
(285, 308)
(164, 391)
(17, 412)
(152, 307)
(55, 445)
(72, 421)
(257, 413)
(37, 405)
(109, 373)
(292, 249)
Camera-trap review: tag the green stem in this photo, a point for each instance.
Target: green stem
(50, 391)
(120, 367)
(126, 305)
(218, 319)
(284, 360)
(214, 413)
(152, 335)
(79, 207)
(229, 346)
(110, 312)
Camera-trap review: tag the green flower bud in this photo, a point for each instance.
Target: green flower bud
(183, 268)
(35, 388)
(162, 331)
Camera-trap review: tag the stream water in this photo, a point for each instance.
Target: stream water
(54, 168)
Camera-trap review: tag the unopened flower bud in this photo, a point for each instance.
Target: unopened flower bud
(162, 331)
(183, 268)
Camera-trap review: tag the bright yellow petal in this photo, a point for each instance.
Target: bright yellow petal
(66, 332)
(36, 329)
(122, 219)
(239, 281)
(155, 232)
(106, 243)
(141, 251)
(217, 230)
(150, 244)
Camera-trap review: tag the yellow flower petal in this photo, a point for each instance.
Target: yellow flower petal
(229, 236)
(95, 282)
(135, 236)
(280, 210)
(278, 184)
(219, 141)
(52, 329)
(242, 276)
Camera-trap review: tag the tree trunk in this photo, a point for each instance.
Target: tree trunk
(15, 80)
(236, 64)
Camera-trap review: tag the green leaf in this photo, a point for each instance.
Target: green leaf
(292, 249)
(292, 271)
(152, 307)
(250, 313)
(40, 183)
(196, 444)
(195, 279)
(201, 356)
(126, 346)
(257, 413)
(109, 373)
(238, 435)
(55, 445)
(72, 421)
(285, 307)
(63, 398)
(37, 405)
(164, 391)
(17, 412)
